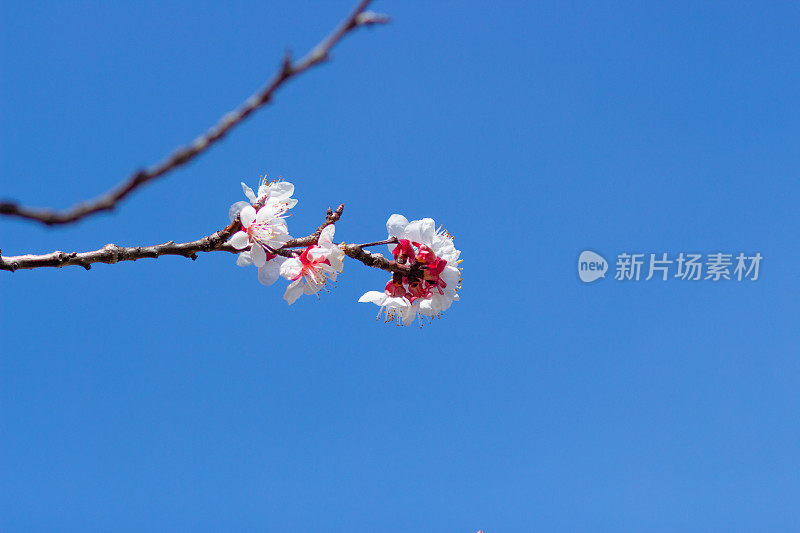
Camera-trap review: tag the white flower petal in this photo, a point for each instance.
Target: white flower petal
(396, 225)
(336, 263)
(290, 202)
(274, 208)
(374, 297)
(426, 308)
(427, 229)
(420, 231)
(291, 268)
(412, 232)
(281, 190)
(265, 216)
(248, 192)
(311, 287)
(441, 303)
(269, 273)
(293, 291)
(239, 240)
(244, 259)
(450, 255)
(235, 209)
(247, 216)
(409, 314)
(396, 302)
(450, 275)
(326, 237)
(259, 255)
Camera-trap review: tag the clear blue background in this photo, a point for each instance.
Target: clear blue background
(170, 395)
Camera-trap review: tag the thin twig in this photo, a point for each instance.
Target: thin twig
(391, 240)
(288, 69)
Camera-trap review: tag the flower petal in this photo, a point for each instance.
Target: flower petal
(291, 268)
(374, 297)
(426, 308)
(235, 209)
(326, 237)
(239, 240)
(266, 214)
(440, 303)
(281, 190)
(269, 273)
(451, 275)
(311, 287)
(421, 231)
(293, 291)
(259, 255)
(396, 225)
(244, 259)
(409, 314)
(274, 208)
(263, 188)
(247, 216)
(248, 192)
(427, 231)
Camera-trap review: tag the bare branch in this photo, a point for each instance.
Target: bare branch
(288, 69)
(111, 253)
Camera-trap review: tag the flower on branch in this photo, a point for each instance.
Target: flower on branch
(434, 280)
(311, 270)
(276, 190)
(262, 233)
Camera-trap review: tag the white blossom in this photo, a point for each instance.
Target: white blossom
(311, 270)
(277, 190)
(262, 232)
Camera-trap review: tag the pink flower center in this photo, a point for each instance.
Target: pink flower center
(310, 266)
(424, 261)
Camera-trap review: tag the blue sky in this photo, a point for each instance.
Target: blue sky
(169, 395)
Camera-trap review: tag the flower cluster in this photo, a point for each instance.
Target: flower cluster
(425, 277)
(433, 280)
(264, 232)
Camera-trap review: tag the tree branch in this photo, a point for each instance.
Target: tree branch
(216, 242)
(111, 253)
(320, 53)
(357, 252)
